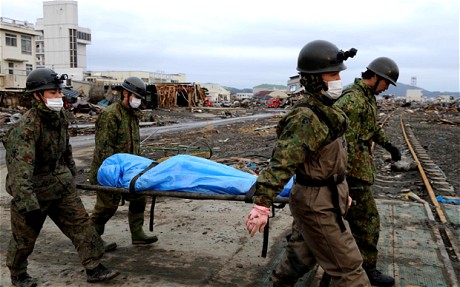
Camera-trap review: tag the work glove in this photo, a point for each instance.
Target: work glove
(394, 151)
(257, 219)
(35, 219)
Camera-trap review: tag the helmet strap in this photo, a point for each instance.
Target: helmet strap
(41, 97)
(374, 88)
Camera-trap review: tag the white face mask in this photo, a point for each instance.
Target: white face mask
(135, 103)
(54, 104)
(334, 89)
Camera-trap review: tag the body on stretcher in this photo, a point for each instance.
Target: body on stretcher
(182, 176)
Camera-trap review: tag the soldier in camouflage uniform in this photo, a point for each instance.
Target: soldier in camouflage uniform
(117, 131)
(359, 104)
(40, 178)
(311, 145)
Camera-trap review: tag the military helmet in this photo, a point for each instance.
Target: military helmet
(44, 79)
(321, 56)
(385, 68)
(136, 86)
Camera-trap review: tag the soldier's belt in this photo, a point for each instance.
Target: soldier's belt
(305, 181)
(331, 183)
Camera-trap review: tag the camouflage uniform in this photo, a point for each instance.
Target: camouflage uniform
(308, 148)
(40, 177)
(117, 131)
(360, 105)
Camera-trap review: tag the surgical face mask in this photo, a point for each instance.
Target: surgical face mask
(54, 104)
(135, 103)
(334, 89)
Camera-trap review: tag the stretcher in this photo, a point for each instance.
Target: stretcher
(181, 176)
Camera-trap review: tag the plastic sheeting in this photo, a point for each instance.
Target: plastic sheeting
(179, 173)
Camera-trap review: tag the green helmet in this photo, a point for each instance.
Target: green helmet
(136, 86)
(321, 56)
(385, 68)
(44, 79)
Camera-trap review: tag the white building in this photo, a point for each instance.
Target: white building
(63, 45)
(57, 42)
(17, 53)
(242, 96)
(414, 95)
(216, 93)
(293, 85)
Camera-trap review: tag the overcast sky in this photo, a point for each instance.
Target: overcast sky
(242, 44)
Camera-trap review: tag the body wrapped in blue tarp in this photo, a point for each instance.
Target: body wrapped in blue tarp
(184, 173)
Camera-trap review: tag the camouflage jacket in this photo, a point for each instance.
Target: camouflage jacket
(300, 135)
(38, 157)
(117, 131)
(359, 103)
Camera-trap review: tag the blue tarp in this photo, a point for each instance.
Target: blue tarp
(179, 173)
(447, 199)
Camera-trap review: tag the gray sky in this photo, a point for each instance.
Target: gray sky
(242, 44)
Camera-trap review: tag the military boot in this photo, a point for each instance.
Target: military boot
(136, 222)
(325, 280)
(108, 246)
(23, 280)
(378, 279)
(99, 274)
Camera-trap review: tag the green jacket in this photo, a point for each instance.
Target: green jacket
(300, 136)
(117, 131)
(359, 103)
(38, 157)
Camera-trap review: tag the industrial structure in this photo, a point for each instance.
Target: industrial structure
(56, 41)
(62, 44)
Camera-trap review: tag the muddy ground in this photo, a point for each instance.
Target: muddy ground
(201, 243)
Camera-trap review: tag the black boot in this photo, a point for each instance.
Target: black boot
(378, 279)
(325, 280)
(100, 273)
(23, 280)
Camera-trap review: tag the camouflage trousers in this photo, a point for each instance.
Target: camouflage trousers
(69, 214)
(107, 203)
(316, 238)
(364, 221)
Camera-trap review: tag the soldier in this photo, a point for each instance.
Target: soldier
(117, 131)
(359, 104)
(40, 178)
(311, 145)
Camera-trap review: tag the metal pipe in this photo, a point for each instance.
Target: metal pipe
(180, 194)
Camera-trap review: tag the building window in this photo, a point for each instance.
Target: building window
(29, 69)
(11, 40)
(73, 47)
(26, 44)
(11, 68)
(84, 36)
